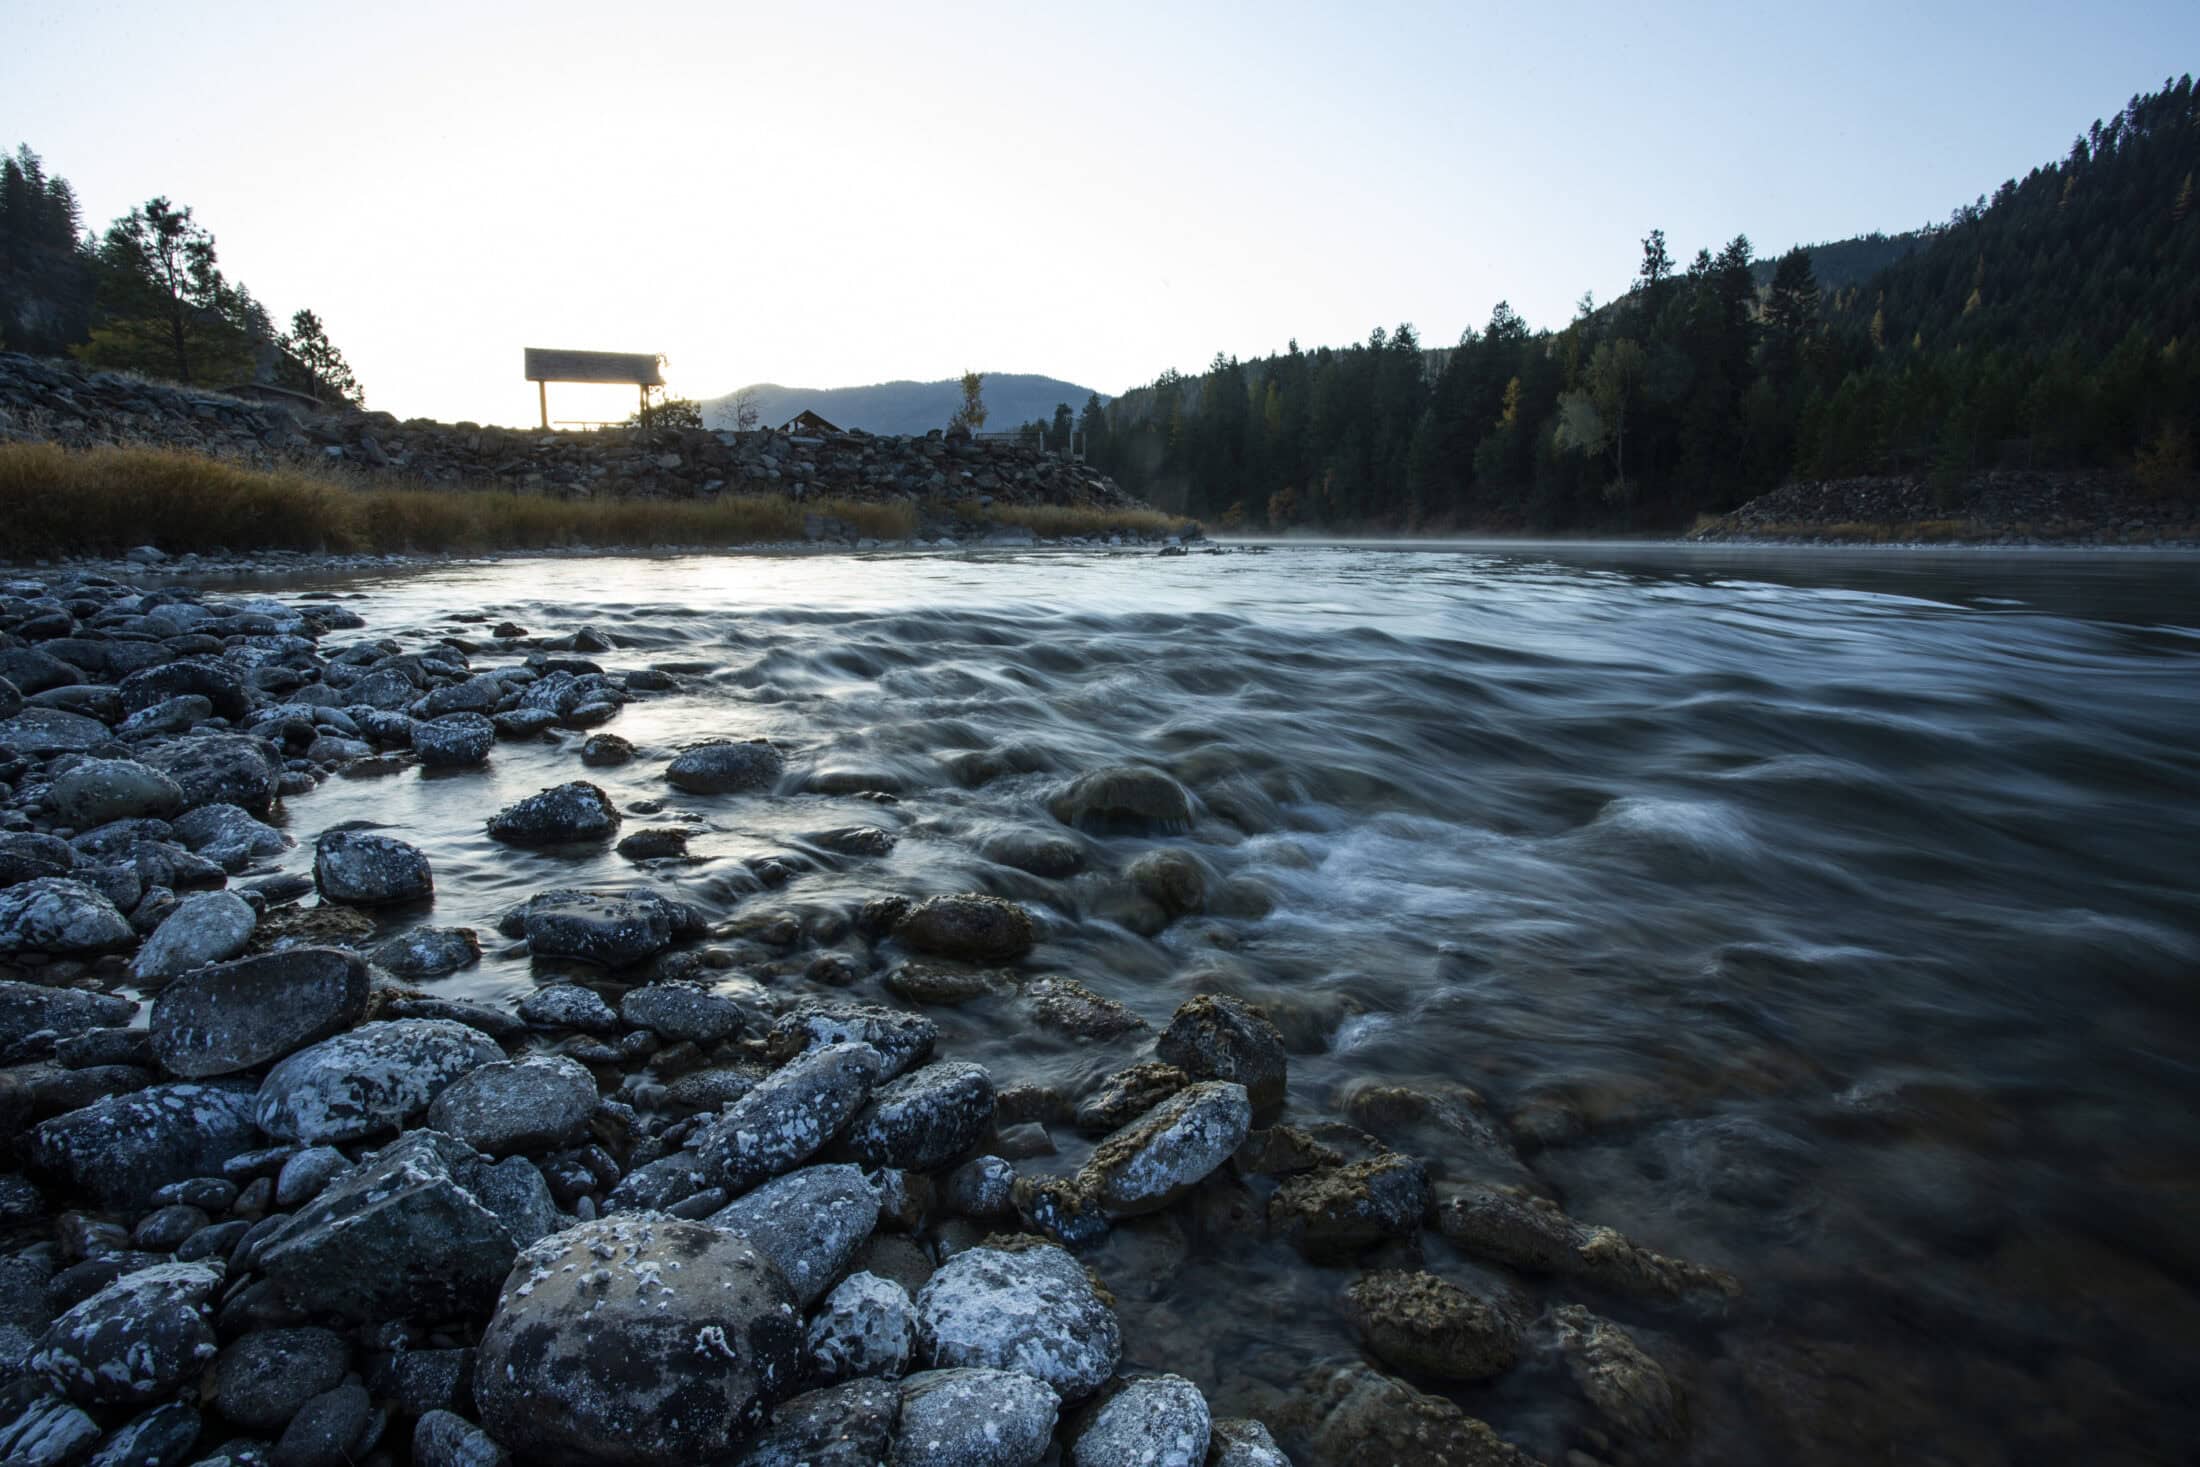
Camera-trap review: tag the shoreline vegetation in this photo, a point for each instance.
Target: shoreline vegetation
(106, 500)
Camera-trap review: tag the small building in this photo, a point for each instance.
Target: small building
(808, 425)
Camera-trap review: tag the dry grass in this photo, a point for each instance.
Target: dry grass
(56, 502)
(1053, 520)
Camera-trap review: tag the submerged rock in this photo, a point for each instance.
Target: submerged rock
(608, 930)
(237, 1016)
(1172, 1148)
(1128, 1094)
(576, 811)
(1066, 1005)
(1213, 1037)
(429, 952)
(1427, 1326)
(1639, 1402)
(683, 1012)
(136, 1341)
(969, 927)
(1156, 1421)
(637, 1339)
(1124, 801)
(725, 768)
(978, 1417)
(1527, 1232)
(376, 1078)
(1340, 1210)
(360, 869)
(1032, 1310)
(1358, 1417)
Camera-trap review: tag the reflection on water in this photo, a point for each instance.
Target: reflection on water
(1828, 917)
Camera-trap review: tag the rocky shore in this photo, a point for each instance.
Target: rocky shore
(712, 1192)
(2009, 507)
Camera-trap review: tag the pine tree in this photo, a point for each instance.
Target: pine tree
(325, 368)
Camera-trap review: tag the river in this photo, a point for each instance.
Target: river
(1829, 917)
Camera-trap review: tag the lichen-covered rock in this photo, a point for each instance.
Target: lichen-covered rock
(423, 1229)
(974, 1417)
(158, 1438)
(361, 869)
(136, 1341)
(216, 681)
(1172, 1148)
(49, 1432)
(969, 927)
(725, 768)
(575, 811)
(429, 952)
(1337, 1211)
(866, 1326)
(983, 1187)
(43, 731)
(539, 1103)
(1527, 1232)
(123, 1149)
(236, 1016)
(221, 769)
(636, 1339)
(608, 930)
(789, 1116)
(26, 856)
(1155, 1421)
(1639, 1402)
(376, 1078)
(809, 1223)
(34, 1008)
(1241, 1443)
(99, 790)
(925, 1119)
(1358, 1417)
(60, 918)
(1216, 1038)
(1128, 1094)
(229, 837)
(262, 1378)
(850, 1425)
(447, 1439)
(205, 927)
(683, 1012)
(1427, 1326)
(569, 1006)
(1032, 1310)
(901, 1038)
(454, 741)
(1065, 1005)
(1124, 801)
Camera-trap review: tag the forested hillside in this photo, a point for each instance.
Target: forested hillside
(147, 296)
(896, 408)
(2051, 325)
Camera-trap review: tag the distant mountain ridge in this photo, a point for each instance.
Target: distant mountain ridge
(1011, 398)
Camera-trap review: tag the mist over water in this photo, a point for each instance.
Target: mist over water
(1832, 918)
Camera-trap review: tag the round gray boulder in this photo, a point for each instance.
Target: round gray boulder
(637, 1339)
(221, 769)
(866, 1326)
(262, 1378)
(231, 1017)
(60, 918)
(539, 1103)
(429, 952)
(454, 741)
(1124, 801)
(970, 927)
(575, 811)
(208, 927)
(99, 790)
(135, 1342)
(361, 869)
(974, 1418)
(1032, 1310)
(725, 768)
(376, 1078)
(925, 1119)
(1157, 1421)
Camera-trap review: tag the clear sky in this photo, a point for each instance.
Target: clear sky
(829, 194)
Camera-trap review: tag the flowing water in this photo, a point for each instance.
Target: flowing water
(1828, 917)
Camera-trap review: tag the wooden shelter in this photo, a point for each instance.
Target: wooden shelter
(808, 424)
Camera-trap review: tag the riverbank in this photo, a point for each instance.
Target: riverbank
(2000, 508)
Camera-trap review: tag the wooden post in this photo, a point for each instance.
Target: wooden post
(542, 392)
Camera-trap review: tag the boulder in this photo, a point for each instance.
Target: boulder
(809, 1223)
(576, 811)
(331, 1430)
(359, 869)
(867, 1326)
(377, 1078)
(539, 1103)
(160, 1437)
(974, 1418)
(968, 927)
(1158, 1158)
(221, 769)
(637, 1339)
(206, 927)
(1523, 1231)
(925, 1119)
(1128, 1094)
(454, 741)
(1427, 1326)
(789, 1116)
(429, 952)
(238, 1016)
(262, 1378)
(99, 790)
(1155, 1421)
(568, 1006)
(39, 732)
(1359, 1417)
(683, 1013)
(1032, 1310)
(901, 1038)
(33, 1008)
(1241, 1443)
(1212, 1037)
(725, 768)
(447, 1439)
(123, 1149)
(217, 682)
(610, 931)
(423, 1229)
(1337, 1211)
(135, 1342)
(849, 1425)
(1640, 1404)
(25, 856)
(60, 918)
(228, 836)
(1124, 801)
(1069, 1007)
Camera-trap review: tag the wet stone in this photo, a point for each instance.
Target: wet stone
(725, 768)
(1358, 1415)
(377, 1078)
(1064, 1004)
(262, 1378)
(33, 1008)
(569, 1006)
(1032, 1311)
(327, 1431)
(1171, 1149)
(1242, 1443)
(207, 927)
(235, 1016)
(136, 1341)
(1340, 1210)
(454, 741)
(983, 1187)
(60, 918)
(1128, 1094)
(634, 1339)
(1217, 1038)
(655, 843)
(1427, 1326)
(446, 1439)
(605, 751)
(608, 930)
(1637, 1399)
(974, 1417)
(1156, 1421)
(809, 1223)
(576, 811)
(866, 1327)
(124, 1149)
(221, 769)
(789, 1116)
(539, 1103)
(683, 1011)
(849, 1425)
(305, 1174)
(99, 790)
(429, 952)
(360, 869)
(1124, 801)
(162, 1437)
(968, 927)
(925, 1119)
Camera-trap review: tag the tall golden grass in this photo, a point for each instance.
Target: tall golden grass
(54, 501)
(1078, 519)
